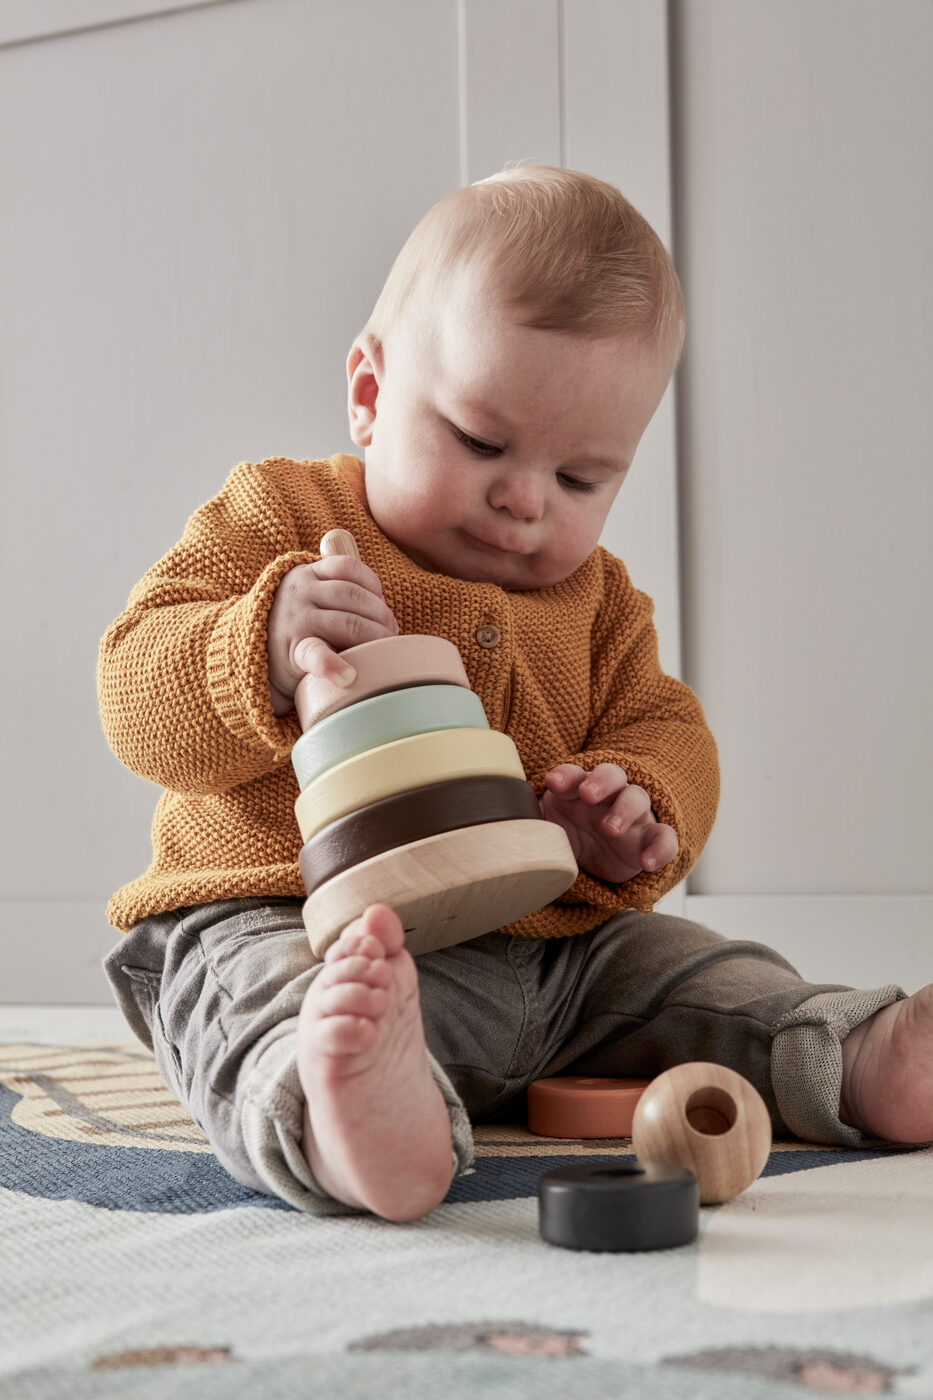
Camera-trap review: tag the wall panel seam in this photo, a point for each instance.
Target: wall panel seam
(69, 30)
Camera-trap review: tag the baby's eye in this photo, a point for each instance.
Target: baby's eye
(575, 483)
(484, 449)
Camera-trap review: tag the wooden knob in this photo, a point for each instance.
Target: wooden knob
(708, 1119)
(339, 542)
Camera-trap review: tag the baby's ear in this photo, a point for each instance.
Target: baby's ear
(364, 374)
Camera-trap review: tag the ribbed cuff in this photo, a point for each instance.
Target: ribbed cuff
(806, 1062)
(238, 663)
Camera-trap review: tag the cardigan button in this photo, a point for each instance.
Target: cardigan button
(488, 636)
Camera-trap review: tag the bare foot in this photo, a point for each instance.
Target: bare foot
(377, 1130)
(887, 1072)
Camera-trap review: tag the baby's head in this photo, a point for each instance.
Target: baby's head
(521, 344)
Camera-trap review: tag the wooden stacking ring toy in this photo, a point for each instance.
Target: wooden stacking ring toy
(574, 1106)
(413, 816)
(708, 1119)
(408, 798)
(619, 1206)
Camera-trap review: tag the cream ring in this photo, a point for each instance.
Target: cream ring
(406, 763)
(382, 719)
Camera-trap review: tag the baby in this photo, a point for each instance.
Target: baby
(521, 344)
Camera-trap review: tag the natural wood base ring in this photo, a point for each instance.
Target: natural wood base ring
(450, 887)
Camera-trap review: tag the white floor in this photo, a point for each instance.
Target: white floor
(54, 1024)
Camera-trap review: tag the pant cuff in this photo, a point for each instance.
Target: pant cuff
(806, 1062)
(272, 1123)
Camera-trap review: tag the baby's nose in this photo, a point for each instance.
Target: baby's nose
(520, 494)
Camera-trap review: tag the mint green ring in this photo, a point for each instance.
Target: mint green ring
(399, 714)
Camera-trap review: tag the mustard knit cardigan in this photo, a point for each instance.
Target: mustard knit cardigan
(184, 693)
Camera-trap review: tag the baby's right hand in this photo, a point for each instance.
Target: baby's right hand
(318, 610)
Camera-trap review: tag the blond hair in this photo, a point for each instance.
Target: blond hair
(564, 250)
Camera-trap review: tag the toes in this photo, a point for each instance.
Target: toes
(377, 933)
(344, 1035)
(353, 999)
(354, 942)
(373, 972)
(384, 924)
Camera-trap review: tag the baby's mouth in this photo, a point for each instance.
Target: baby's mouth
(493, 547)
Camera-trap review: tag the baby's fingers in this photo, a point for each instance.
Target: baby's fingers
(603, 783)
(564, 779)
(661, 849)
(313, 656)
(631, 806)
(344, 567)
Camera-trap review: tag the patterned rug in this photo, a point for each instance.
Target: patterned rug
(133, 1265)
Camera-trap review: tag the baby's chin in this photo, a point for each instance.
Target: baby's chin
(513, 572)
(459, 555)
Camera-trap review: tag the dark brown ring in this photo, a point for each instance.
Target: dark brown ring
(412, 816)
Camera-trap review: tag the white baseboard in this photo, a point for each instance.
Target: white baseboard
(61, 1025)
(51, 951)
(857, 940)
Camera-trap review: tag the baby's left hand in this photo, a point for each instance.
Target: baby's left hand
(612, 829)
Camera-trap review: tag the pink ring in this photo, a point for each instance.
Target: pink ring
(388, 664)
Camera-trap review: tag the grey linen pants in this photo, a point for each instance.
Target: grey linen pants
(215, 991)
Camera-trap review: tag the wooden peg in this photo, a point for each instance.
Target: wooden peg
(339, 542)
(708, 1119)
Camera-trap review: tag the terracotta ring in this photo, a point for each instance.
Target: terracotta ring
(579, 1106)
(417, 709)
(405, 763)
(388, 664)
(411, 816)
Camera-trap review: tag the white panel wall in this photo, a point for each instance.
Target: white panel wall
(584, 84)
(199, 209)
(618, 51)
(806, 221)
(204, 207)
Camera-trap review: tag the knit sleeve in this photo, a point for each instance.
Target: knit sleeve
(653, 727)
(182, 674)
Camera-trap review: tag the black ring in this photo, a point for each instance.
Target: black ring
(619, 1206)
